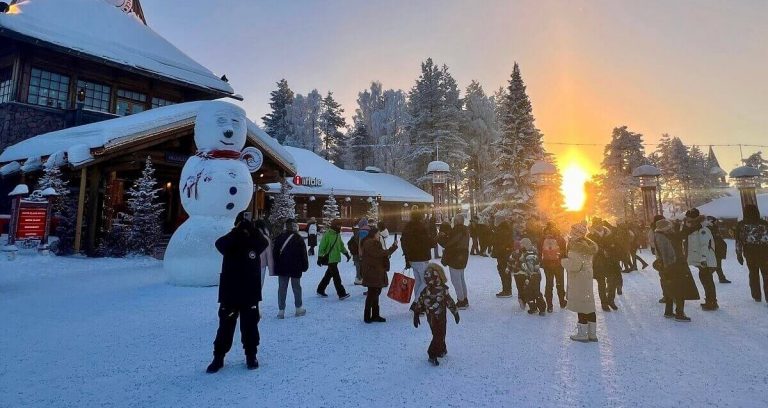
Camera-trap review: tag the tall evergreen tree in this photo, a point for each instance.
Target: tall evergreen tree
(519, 146)
(330, 210)
(672, 159)
(616, 188)
(275, 122)
(480, 131)
(304, 122)
(331, 121)
(62, 207)
(283, 207)
(359, 153)
(756, 160)
(373, 211)
(144, 213)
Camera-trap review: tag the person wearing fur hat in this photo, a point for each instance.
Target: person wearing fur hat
(435, 300)
(700, 246)
(581, 298)
(676, 280)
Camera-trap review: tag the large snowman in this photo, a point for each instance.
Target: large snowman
(215, 186)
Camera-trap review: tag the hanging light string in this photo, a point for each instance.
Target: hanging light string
(739, 145)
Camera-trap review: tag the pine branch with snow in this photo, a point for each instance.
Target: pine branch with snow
(373, 211)
(144, 213)
(63, 208)
(283, 207)
(330, 210)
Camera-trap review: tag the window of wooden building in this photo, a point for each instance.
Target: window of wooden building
(48, 89)
(98, 97)
(129, 102)
(5, 84)
(160, 102)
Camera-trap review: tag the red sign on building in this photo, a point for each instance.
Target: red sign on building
(32, 222)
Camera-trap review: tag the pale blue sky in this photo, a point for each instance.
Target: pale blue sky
(695, 69)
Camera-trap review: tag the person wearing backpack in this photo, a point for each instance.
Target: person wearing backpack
(329, 253)
(752, 244)
(552, 250)
(721, 247)
(290, 257)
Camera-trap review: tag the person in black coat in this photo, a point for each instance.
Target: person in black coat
(417, 242)
(239, 292)
(455, 257)
(503, 244)
(290, 255)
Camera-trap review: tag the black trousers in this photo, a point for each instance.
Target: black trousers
(249, 329)
(532, 291)
(758, 265)
(332, 273)
(607, 286)
(708, 282)
(372, 303)
(635, 258)
(475, 246)
(585, 318)
(438, 326)
(504, 275)
(554, 277)
(678, 304)
(719, 270)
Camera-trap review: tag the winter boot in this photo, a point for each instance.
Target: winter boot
(504, 294)
(434, 361)
(563, 302)
(549, 304)
(376, 317)
(216, 364)
(606, 308)
(322, 294)
(612, 305)
(344, 296)
(592, 331)
(532, 309)
(300, 311)
(251, 362)
(582, 333)
(367, 315)
(522, 303)
(709, 306)
(681, 317)
(281, 314)
(724, 280)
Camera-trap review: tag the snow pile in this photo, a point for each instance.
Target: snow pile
(729, 207)
(393, 188)
(102, 31)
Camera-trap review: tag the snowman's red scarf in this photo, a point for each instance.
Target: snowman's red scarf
(190, 186)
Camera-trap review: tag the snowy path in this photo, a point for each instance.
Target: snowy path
(110, 333)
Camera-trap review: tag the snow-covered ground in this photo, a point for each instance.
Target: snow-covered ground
(103, 332)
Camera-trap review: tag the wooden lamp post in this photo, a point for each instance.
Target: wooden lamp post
(649, 180)
(747, 180)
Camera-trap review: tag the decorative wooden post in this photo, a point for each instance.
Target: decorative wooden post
(439, 171)
(649, 180)
(747, 180)
(544, 176)
(80, 210)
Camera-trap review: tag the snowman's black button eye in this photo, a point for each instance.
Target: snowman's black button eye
(230, 206)
(233, 190)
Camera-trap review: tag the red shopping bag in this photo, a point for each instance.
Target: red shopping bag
(401, 288)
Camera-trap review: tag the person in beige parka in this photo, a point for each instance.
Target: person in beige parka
(581, 298)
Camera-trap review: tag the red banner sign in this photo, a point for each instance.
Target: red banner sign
(32, 223)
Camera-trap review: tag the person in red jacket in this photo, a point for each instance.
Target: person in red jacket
(552, 250)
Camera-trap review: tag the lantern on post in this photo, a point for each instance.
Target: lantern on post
(438, 172)
(747, 180)
(648, 176)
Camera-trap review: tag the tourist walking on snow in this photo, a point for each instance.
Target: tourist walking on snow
(456, 256)
(417, 247)
(474, 234)
(375, 265)
(721, 247)
(266, 259)
(752, 244)
(362, 232)
(239, 292)
(606, 269)
(435, 300)
(503, 245)
(525, 266)
(676, 280)
(581, 298)
(330, 250)
(312, 235)
(700, 246)
(552, 250)
(291, 262)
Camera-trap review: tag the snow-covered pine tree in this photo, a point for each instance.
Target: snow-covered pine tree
(672, 159)
(275, 122)
(756, 160)
(391, 123)
(331, 121)
(304, 122)
(480, 132)
(358, 154)
(144, 213)
(283, 208)
(373, 211)
(62, 207)
(623, 154)
(519, 146)
(330, 210)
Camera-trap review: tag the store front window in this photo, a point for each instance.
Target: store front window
(5, 84)
(96, 96)
(129, 102)
(48, 89)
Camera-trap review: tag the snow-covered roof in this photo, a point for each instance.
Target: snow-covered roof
(745, 171)
(729, 207)
(646, 170)
(102, 31)
(79, 142)
(393, 188)
(309, 164)
(438, 166)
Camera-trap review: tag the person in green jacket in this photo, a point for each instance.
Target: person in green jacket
(332, 247)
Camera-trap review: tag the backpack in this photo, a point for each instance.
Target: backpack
(352, 245)
(755, 234)
(550, 250)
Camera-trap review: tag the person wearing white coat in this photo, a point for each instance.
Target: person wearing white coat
(700, 246)
(580, 293)
(312, 235)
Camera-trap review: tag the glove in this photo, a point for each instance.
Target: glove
(456, 316)
(416, 320)
(348, 257)
(740, 258)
